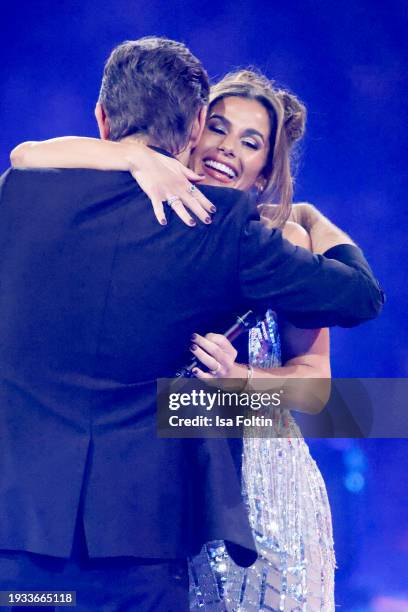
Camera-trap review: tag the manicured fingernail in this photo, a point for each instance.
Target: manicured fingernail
(207, 220)
(213, 209)
(195, 371)
(193, 347)
(193, 336)
(192, 223)
(163, 221)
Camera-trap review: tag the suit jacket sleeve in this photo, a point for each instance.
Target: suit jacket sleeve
(309, 290)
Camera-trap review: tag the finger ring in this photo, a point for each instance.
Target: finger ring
(217, 369)
(170, 201)
(192, 188)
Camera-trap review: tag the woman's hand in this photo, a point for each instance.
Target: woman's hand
(163, 178)
(217, 353)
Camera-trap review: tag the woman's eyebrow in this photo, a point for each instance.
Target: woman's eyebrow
(248, 132)
(254, 132)
(221, 118)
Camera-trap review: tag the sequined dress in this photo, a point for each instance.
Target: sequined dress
(290, 516)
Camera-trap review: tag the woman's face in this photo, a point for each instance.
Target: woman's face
(234, 147)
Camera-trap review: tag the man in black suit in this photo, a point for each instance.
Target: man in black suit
(97, 301)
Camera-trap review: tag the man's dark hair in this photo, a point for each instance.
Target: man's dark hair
(153, 87)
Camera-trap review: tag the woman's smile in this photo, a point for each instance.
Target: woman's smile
(234, 147)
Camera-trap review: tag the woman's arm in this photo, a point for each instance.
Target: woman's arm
(305, 352)
(161, 177)
(74, 152)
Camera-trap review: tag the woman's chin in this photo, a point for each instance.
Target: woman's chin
(210, 180)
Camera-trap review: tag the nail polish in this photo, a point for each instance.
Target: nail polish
(193, 347)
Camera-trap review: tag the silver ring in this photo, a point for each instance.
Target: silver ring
(217, 369)
(170, 201)
(192, 188)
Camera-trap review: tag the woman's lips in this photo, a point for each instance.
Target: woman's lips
(217, 175)
(219, 170)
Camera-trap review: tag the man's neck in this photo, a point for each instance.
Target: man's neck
(139, 138)
(183, 157)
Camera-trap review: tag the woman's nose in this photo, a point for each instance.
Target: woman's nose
(227, 146)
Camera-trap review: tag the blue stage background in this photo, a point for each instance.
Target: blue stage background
(348, 63)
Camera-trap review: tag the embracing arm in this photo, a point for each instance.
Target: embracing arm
(73, 152)
(160, 176)
(323, 234)
(310, 290)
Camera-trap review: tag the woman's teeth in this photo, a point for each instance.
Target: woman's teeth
(210, 163)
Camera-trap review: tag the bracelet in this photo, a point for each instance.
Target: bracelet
(250, 373)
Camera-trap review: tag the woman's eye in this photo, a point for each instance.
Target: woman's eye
(251, 144)
(217, 129)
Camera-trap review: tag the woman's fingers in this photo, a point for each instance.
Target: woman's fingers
(210, 362)
(181, 211)
(211, 379)
(158, 210)
(198, 373)
(192, 202)
(193, 177)
(203, 201)
(190, 174)
(215, 352)
(186, 204)
(223, 343)
(208, 345)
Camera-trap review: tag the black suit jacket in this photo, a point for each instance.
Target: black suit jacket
(97, 300)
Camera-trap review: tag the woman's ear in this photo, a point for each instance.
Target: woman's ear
(102, 121)
(260, 183)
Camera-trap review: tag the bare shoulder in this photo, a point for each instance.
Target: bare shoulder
(297, 234)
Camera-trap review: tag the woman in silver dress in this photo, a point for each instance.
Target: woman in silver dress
(247, 143)
(286, 495)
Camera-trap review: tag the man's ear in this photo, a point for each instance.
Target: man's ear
(198, 126)
(102, 121)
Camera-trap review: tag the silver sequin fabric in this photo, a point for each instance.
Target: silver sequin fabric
(290, 516)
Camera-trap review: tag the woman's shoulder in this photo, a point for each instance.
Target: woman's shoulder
(296, 234)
